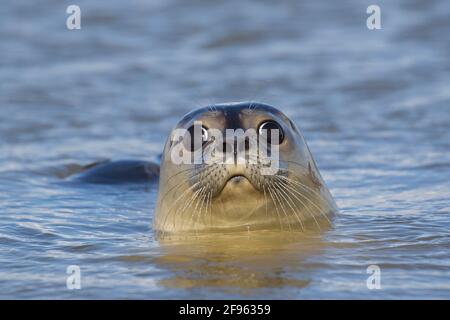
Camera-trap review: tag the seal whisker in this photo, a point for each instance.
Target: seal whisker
(173, 188)
(311, 213)
(188, 205)
(170, 210)
(265, 200)
(193, 200)
(289, 201)
(288, 188)
(302, 185)
(183, 194)
(306, 198)
(178, 173)
(196, 206)
(200, 215)
(298, 183)
(321, 211)
(175, 203)
(282, 207)
(190, 177)
(276, 207)
(204, 215)
(211, 221)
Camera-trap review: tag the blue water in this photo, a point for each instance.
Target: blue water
(374, 107)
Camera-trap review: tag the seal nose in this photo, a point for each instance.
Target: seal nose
(232, 149)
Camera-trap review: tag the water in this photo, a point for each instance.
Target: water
(373, 106)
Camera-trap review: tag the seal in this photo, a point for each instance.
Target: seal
(117, 172)
(208, 183)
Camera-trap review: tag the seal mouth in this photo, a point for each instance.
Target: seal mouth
(236, 183)
(237, 178)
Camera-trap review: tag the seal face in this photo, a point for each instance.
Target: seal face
(262, 176)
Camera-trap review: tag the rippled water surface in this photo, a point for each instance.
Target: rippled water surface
(374, 107)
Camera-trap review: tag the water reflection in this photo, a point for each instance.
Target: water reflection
(240, 261)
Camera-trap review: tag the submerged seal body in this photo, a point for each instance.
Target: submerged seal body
(222, 189)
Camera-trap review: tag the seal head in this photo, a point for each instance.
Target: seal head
(239, 166)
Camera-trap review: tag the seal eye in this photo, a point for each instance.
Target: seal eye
(269, 128)
(204, 134)
(194, 142)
